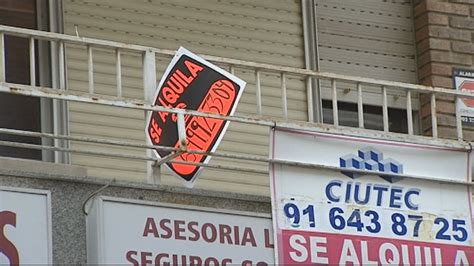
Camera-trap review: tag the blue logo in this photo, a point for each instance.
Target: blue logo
(370, 159)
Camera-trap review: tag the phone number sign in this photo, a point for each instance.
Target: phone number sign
(325, 216)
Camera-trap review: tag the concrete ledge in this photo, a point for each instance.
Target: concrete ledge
(39, 167)
(71, 173)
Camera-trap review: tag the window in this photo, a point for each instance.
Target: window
(30, 113)
(19, 112)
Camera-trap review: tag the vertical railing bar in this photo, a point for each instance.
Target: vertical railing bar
(2, 57)
(258, 92)
(458, 119)
(385, 109)
(62, 72)
(360, 106)
(434, 122)
(309, 97)
(118, 68)
(283, 95)
(32, 62)
(149, 88)
(335, 113)
(90, 69)
(232, 69)
(57, 116)
(409, 113)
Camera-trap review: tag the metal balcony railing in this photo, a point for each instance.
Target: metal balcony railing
(149, 55)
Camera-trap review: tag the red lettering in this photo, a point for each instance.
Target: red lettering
(226, 261)
(150, 227)
(194, 261)
(204, 232)
(132, 259)
(169, 232)
(155, 131)
(193, 229)
(178, 229)
(176, 261)
(193, 68)
(224, 234)
(247, 263)
(200, 131)
(248, 237)
(153, 134)
(163, 115)
(159, 257)
(211, 259)
(170, 96)
(175, 85)
(268, 243)
(145, 258)
(179, 79)
(6, 246)
(188, 80)
(174, 117)
(236, 235)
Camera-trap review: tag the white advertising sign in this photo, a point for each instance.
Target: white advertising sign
(337, 217)
(25, 227)
(143, 233)
(464, 81)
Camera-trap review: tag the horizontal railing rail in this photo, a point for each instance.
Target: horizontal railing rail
(149, 55)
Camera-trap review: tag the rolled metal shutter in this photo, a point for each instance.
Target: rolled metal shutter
(262, 31)
(369, 38)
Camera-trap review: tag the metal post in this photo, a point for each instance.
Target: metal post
(458, 119)
(309, 96)
(284, 96)
(409, 113)
(434, 122)
(32, 62)
(258, 92)
(90, 69)
(62, 72)
(360, 106)
(183, 143)
(385, 109)
(149, 88)
(2, 57)
(59, 117)
(118, 70)
(335, 113)
(149, 75)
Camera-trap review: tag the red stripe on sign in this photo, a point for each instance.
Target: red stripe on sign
(302, 247)
(468, 86)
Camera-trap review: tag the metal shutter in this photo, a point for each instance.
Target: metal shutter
(262, 31)
(369, 38)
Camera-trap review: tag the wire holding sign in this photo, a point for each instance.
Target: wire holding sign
(192, 83)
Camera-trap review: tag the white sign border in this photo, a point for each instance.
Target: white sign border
(98, 231)
(41, 192)
(380, 141)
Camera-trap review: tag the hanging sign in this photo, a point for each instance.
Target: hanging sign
(192, 83)
(464, 81)
(326, 216)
